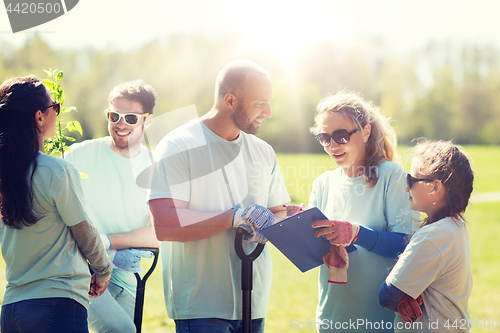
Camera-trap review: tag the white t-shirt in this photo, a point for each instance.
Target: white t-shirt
(202, 279)
(43, 260)
(114, 202)
(437, 265)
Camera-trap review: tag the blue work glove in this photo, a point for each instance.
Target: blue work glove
(130, 259)
(253, 219)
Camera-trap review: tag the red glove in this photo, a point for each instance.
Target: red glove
(409, 308)
(338, 232)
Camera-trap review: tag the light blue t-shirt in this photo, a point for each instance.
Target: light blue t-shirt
(384, 207)
(202, 279)
(437, 266)
(43, 260)
(114, 202)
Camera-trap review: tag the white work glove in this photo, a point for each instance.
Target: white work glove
(253, 219)
(128, 260)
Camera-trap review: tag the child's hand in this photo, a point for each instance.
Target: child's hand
(294, 209)
(409, 308)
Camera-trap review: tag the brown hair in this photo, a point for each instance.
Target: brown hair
(135, 91)
(381, 144)
(444, 161)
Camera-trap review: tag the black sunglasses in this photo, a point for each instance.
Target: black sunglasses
(130, 118)
(410, 180)
(340, 136)
(56, 106)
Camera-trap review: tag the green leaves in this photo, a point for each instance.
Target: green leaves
(57, 145)
(74, 126)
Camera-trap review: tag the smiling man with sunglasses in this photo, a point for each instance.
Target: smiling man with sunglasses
(115, 204)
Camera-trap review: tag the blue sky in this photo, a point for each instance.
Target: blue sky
(280, 25)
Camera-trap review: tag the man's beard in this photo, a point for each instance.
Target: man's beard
(131, 142)
(240, 118)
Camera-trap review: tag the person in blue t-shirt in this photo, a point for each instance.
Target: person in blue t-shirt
(214, 175)
(46, 237)
(430, 285)
(116, 204)
(366, 205)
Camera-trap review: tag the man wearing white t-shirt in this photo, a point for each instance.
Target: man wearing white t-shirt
(211, 176)
(115, 204)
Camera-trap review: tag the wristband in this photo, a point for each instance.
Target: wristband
(237, 217)
(106, 241)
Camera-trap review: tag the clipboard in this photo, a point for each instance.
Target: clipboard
(294, 237)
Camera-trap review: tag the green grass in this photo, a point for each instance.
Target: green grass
(299, 170)
(484, 227)
(294, 294)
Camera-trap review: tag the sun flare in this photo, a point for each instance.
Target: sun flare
(285, 28)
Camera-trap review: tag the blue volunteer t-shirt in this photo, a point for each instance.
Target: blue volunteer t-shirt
(385, 207)
(115, 203)
(43, 260)
(202, 279)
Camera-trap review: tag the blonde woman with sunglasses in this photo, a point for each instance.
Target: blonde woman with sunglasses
(368, 213)
(45, 236)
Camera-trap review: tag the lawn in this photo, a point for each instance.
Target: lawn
(294, 294)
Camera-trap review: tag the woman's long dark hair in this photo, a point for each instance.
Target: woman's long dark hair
(20, 99)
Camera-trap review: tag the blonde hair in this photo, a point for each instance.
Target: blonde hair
(381, 144)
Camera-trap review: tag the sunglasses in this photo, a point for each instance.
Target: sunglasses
(410, 180)
(130, 118)
(56, 106)
(341, 137)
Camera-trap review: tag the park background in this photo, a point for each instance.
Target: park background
(432, 66)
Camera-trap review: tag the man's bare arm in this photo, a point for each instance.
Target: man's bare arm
(169, 213)
(142, 237)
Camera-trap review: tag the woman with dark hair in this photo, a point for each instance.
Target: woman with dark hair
(432, 280)
(45, 236)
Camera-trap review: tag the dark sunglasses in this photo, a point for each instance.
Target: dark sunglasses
(56, 106)
(130, 118)
(340, 136)
(410, 180)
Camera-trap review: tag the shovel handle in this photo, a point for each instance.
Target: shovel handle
(141, 288)
(246, 277)
(238, 246)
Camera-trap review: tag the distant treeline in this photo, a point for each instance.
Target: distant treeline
(443, 91)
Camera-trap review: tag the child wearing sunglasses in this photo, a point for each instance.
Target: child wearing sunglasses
(435, 268)
(45, 236)
(366, 205)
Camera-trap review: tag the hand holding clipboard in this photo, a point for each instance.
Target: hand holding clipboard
(294, 237)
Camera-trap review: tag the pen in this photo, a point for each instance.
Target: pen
(301, 209)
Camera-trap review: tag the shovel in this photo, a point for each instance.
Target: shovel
(246, 276)
(141, 288)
